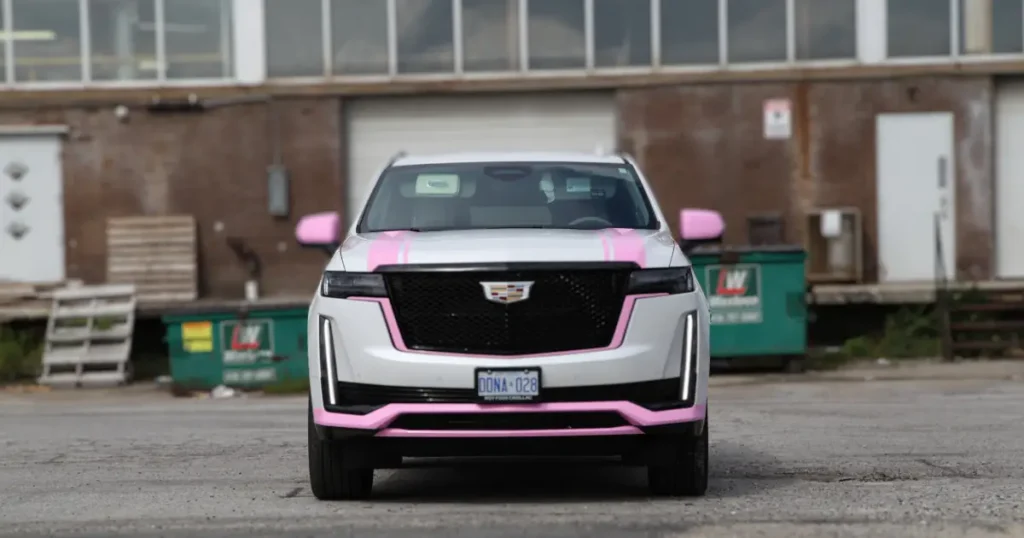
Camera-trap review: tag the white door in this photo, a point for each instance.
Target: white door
(378, 128)
(916, 178)
(31, 208)
(1009, 180)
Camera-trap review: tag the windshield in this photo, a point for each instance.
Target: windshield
(467, 196)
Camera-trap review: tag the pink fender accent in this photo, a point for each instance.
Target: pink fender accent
(388, 249)
(636, 415)
(617, 339)
(624, 245)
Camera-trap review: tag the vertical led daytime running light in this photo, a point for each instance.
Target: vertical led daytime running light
(327, 358)
(689, 355)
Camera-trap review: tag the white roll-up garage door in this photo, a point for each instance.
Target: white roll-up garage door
(378, 128)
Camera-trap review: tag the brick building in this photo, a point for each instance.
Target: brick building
(899, 109)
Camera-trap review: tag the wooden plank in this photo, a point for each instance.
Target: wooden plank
(986, 326)
(141, 221)
(142, 279)
(157, 254)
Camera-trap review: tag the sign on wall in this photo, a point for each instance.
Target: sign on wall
(778, 119)
(734, 294)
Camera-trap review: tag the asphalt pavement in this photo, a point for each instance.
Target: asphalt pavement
(927, 458)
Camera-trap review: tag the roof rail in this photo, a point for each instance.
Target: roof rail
(397, 156)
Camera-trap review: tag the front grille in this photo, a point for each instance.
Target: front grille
(508, 421)
(567, 310)
(648, 393)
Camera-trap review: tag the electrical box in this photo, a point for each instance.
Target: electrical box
(834, 246)
(278, 189)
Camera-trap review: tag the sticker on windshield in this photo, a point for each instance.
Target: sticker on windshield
(437, 184)
(577, 184)
(623, 172)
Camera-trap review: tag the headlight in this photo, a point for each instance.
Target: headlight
(672, 281)
(341, 285)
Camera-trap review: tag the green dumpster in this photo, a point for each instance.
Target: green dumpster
(259, 348)
(758, 300)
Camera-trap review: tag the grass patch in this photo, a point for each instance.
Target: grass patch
(288, 387)
(910, 333)
(21, 355)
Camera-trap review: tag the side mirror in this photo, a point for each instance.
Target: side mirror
(319, 230)
(699, 227)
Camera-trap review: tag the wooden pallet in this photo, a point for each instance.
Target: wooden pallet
(987, 323)
(155, 254)
(89, 336)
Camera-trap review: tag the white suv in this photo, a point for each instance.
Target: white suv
(508, 304)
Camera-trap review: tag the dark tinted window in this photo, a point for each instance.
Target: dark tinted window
(512, 195)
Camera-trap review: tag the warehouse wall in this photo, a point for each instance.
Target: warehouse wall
(209, 164)
(703, 145)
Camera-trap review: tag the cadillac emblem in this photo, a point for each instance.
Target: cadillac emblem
(506, 292)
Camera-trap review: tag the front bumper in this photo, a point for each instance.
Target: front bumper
(560, 419)
(366, 384)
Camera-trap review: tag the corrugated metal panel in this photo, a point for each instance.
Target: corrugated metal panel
(156, 254)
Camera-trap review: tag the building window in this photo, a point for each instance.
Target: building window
(295, 46)
(122, 40)
(825, 29)
(198, 39)
(622, 33)
(991, 26)
(918, 28)
(425, 33)
(359, 37)
(757, 31)
(689, 32)
(490, 35)
(557, 34)
(47, 40)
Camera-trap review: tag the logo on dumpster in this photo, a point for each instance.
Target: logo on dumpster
(246, 337)
(247, 342)
(735, 293)
(732, 282)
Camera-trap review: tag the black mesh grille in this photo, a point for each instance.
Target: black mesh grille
(644, 393)
(568, 309)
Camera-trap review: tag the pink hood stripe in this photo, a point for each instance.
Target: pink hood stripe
(624, 245)
(388, 249)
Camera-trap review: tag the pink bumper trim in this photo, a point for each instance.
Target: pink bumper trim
(620, 329)
(636, 415)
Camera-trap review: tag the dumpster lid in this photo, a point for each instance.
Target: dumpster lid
(746, 249)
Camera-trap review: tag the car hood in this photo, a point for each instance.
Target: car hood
(367, 252)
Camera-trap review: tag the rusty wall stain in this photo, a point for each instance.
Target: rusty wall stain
(703, 145)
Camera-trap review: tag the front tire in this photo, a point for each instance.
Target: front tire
(330, 478)
(686, 475)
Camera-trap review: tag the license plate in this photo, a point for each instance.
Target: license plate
(508, 385)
